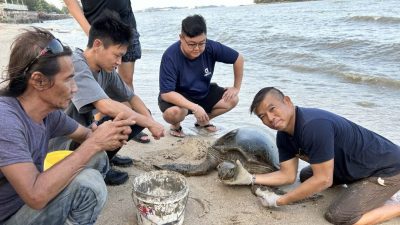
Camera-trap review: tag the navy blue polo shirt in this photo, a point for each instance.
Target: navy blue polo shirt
(192, 77)
(320, 136)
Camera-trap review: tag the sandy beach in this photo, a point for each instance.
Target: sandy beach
(210, 202)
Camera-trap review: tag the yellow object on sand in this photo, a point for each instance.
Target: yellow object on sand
(54, 157)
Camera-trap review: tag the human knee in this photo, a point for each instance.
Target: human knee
(100, 163)
(337, 216)
(92, 183)
(174, 113)
(233, 102)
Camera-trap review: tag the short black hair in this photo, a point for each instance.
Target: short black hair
(193, 26)
(259, 97)
(110, 29)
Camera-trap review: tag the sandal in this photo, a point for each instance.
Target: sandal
(177, 132)
(142, 138)
(211, 128)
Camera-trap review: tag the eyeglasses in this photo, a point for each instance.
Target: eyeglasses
(192, 46)
(53, 47)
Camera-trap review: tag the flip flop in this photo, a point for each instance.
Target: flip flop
(206, 127)
(177, 132)
(139, 138)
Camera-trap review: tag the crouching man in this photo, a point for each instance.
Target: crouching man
(339, 152)
(40, 83)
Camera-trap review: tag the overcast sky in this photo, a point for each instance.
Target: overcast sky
(143, 4)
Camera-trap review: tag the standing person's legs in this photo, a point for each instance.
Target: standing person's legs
(127, 68)
(79, 203)
(363, 202)
(126, 71)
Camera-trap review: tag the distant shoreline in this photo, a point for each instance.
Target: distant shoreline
(21, 17)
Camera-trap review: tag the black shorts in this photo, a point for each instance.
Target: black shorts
(214, 95)
(134, 50)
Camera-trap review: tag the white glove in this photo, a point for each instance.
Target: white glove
(242, 177)
(267, 198)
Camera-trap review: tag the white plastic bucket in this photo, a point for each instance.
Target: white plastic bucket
(160, 197)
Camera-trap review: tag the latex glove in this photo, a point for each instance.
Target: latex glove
(267, 198)
(242, 177)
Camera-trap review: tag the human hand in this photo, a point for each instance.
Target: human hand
(124, 121)
(231, 92)
(201, 115)
(242, 177)
(93, 126)
(267, 198)
(157, 130)
(111, 134)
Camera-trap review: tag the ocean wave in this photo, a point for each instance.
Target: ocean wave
(344, 43)
(381, 81)
(339, 71)
(366, 104)
(376, 19)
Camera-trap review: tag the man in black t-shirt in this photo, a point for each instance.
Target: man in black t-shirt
(339, 152)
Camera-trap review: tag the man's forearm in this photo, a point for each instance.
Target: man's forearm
(76, 11)
(238, 68)
(112, 108)
(138, 105)
(309, 187)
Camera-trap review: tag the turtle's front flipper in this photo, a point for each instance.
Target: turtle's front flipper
(180, 168)
(189, 169)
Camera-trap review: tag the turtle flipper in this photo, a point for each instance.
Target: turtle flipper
(190, 169)
(180, 168)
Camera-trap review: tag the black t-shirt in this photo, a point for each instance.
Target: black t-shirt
(93, 9)
(320, 136)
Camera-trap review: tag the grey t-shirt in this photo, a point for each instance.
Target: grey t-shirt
(23, 140)
(92, 87)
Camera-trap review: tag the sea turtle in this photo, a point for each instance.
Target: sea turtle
(253, 146)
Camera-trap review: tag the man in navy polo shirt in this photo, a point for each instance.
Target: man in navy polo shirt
(339, 152)
(186, 69)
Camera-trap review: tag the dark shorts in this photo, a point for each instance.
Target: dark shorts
(214, 95)
(359, 197)
(134, 50)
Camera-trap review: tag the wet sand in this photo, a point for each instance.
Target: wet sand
(210, 202)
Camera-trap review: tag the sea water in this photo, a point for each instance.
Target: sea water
(341, 56)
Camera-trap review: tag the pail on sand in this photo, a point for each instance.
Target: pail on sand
(160, 197)
(54, 157)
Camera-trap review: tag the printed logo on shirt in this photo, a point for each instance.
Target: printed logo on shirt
(206, 72)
